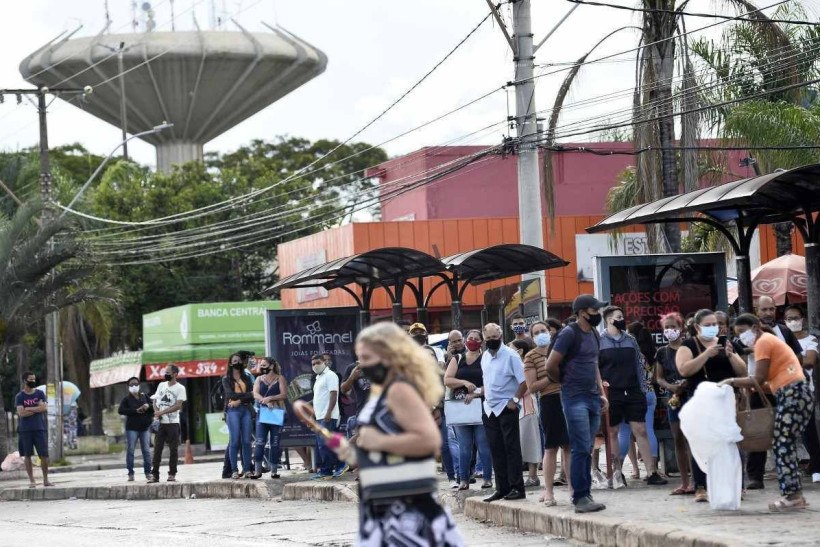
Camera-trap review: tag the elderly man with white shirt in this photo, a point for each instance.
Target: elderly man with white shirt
(504, 385)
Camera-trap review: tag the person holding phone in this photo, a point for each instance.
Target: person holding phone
(269, 390)
(703, 358)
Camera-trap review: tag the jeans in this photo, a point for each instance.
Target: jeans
(352, 424)
(504, 439)
(262, 432)
(326, 460)
(452, 443)
(446, 456)
(144, 438)
(239, 432)
(168, 433)
(583, 416)
(625, 432)
(468, 436)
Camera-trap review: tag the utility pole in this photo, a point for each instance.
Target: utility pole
(123, 110)
(531, 222)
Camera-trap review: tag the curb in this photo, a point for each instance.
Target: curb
(599, 530)
(320, 491)
(104, 466)
(223, 490)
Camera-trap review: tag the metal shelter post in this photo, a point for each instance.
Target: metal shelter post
(813, 286)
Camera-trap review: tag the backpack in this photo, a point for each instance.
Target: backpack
(575, 347)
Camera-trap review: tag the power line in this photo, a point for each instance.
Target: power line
(693, 14)
(636, 152)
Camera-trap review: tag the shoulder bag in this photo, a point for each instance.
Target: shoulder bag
(756, 425)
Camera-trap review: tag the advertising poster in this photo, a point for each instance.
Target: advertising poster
(651, 286)
(293, 337)
(217, 430)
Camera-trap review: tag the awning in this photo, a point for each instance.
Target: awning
(199, 352)
(501, 261)
(115, 369)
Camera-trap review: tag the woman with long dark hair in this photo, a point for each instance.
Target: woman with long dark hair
(777, 366)
(238, 389)
(706, 357)
(269, 390)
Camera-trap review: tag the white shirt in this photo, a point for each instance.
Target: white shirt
(503, 374)
(326, 382)
(166, 397)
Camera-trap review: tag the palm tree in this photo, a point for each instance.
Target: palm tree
(40, 272)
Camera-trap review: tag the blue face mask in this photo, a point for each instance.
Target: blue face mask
(709, 332)
(542, 339)
(519, 329)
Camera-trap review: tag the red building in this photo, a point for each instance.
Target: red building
(474, 207)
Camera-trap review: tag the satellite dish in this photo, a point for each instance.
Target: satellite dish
(146, 6)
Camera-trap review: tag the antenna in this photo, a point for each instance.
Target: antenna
(148, 14)
(173, 28)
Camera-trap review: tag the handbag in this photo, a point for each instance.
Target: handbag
(756, 425)
(457, 412)
(272, 416)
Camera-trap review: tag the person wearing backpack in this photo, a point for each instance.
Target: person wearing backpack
(574, 363)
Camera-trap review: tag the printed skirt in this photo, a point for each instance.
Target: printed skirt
(407, 522)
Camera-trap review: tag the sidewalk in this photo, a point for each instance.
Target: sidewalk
(648, 516)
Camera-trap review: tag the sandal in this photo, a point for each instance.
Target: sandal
(32, 484)
(48, 483)
(550, 503)
(785, 504)
(679, 491)
(464, 486)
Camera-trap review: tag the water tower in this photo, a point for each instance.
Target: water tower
(204, 82)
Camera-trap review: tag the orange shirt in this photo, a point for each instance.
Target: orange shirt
(784, 368)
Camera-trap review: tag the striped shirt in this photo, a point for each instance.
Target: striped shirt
(535, 361)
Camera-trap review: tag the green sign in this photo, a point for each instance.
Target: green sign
(213, 323)
(217, 430)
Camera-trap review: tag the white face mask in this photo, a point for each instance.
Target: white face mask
(795, 325)
(318, 369)
(671, 334)
(748, 338)
(709, 332)
(542, 339)
(134, 389)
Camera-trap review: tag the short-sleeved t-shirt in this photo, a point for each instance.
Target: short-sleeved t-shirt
(579, 374)
(35, 422)
(361, 388)
(167, 396)
(326, 382)
(784, 369)
(537, 362)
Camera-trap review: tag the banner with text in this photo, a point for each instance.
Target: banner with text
(188, 369)
(293, 337)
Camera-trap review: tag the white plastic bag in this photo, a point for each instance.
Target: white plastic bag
(709, 422)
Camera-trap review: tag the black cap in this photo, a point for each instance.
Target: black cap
(585, 301)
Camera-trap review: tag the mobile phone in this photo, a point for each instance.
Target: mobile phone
(721, 342)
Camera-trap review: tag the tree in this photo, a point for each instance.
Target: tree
(41, 271)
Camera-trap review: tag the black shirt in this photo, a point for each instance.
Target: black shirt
(134, 421)
(470, 372)
(716, 369)
(361, 388)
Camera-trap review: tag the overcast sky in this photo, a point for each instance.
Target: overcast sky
(376, 50)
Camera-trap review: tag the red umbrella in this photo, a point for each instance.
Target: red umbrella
(783, 279)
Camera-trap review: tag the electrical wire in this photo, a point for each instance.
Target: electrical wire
(691, 14)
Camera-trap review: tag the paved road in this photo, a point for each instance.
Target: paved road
(204, 522)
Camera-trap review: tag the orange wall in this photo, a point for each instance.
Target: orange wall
(439, 238)
(768, 244)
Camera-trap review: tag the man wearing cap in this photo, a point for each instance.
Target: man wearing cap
(574, 363)
(419, 333)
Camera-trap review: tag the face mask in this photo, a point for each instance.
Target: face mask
(31, 384)
(237, 366)
(318, 369)
(710, 332)
(748, 338)
(519, 329)
(264, 370)
(377, 373)
(493, 344)
(473, 345)
(619, 324)
(594, 320)
(671, 334)
(795, 325)
(420, 339)
(168, 377)
(134, 389)
(543, 339)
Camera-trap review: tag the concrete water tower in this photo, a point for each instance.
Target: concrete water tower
(204, 82)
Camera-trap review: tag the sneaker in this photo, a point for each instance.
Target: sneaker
(486, 484)
(815, 477)
(455, 485)
(656, 480)
(148, 476)
(618, 480)
(341, 471)
(172, 478)
(130, 478)
(152, 479)
(586, 505)
(599, 481)
(701, 496)
(532, 482)
(320, 476)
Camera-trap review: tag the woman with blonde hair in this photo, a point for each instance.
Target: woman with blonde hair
(397, 444)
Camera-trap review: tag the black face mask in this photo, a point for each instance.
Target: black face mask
(264, 370)
(238, 366)
(620, 324)
(594, 320)
(31, 384)
(377, 373)
(493, 344)
(168, 377)
(421, 339)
